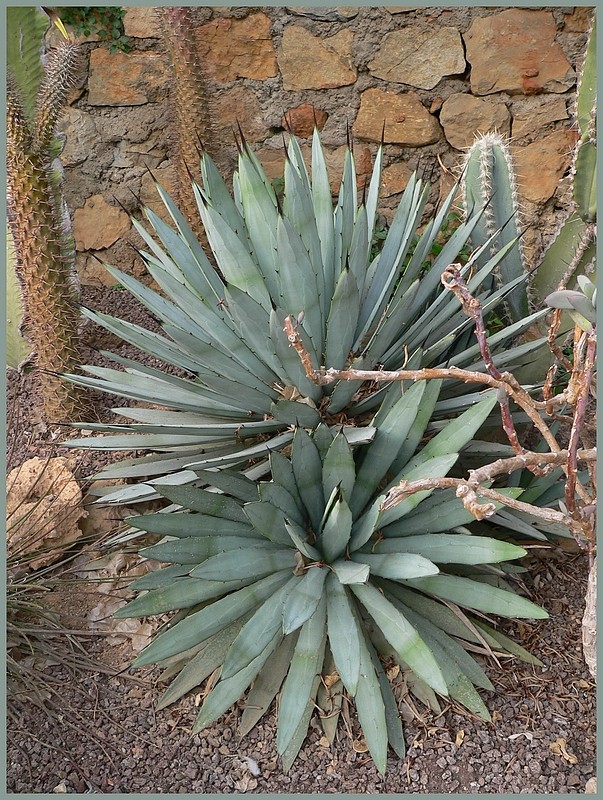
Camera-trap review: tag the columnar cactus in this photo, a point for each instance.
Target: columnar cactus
(44, 254)
(189, 99)
(489, 186)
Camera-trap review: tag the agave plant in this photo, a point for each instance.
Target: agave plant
(240, 385)
(311, 574)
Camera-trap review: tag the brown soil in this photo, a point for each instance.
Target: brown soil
(99, 733)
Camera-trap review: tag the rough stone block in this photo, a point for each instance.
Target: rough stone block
(394, 178)
(240, 106)
(81, 136)
(302, 119)
(531, 114)
(463, 117)
(142, 22)
(540, 165)
(308, 62)
(516, 52)
(126, 79)
(97, 225)
(419, 58)
(407, 121)
(237, 48)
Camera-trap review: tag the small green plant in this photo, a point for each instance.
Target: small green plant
(106, 22)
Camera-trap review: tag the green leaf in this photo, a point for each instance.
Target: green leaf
(303, 600)
(480, 596)
(280, 498)
(258, 632)
(338, 468)
(395, 733)
(391, 433)
(256, 561)
(336, 530)
(201, 665)
(297, 739)
(182, 593)
(159, 578)
(268, 520)
(453, 548)
(397, 565)
(344, 633)
(196, 549)
(323, 211)
(267, 684)
(350, 572)
(341, 323)
(299, 537)
(305, 666)
(307, 468)
(371, 709)
(402, 636)
(363, 528)
(216, 505)
(198, 627)
(227, 692)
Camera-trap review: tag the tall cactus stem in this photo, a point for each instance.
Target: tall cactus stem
(489, 185)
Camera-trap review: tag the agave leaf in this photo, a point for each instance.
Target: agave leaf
(299, 538)
(335, 533)
(289, 358)
(391, 433)
(453, 548)
(297, 739)
(233, 483)
(280, 498)
(363, 528)
(433, 468)
(258, 560)
(394, 320)
(341, 323)
(371, 708)
(307, 468)
(159, 578)
(480, 596)
(329, 700)
(196, 549)
(243, 455)
(498, 639)
(267, 684)
(201, 665)
(323, 211)
(345, 212)
(233, 257)
(359, 251)
(227, 691)
(401, 635)
(268, 520)
(281, 471)
(212, 503)
(217, 194)
(338, 467)
(297, 279)
(258, 632)
(350, 572)
(303, 600)
(199, 626)
(395, 733)
(344, 633)
(181, 593)
(294, 412)
(457, 432)
(305, 666)
(252, 323)
(397, 565)
(419, 425)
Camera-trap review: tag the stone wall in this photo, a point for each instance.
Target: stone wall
(433, 76)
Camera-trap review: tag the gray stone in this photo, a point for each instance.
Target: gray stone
(419, 58)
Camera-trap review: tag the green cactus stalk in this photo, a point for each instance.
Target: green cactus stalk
(44, 254)
(572, 252)
(489, 186)
(190, 102)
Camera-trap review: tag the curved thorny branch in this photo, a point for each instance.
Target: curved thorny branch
(577, 517)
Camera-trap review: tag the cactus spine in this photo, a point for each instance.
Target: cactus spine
(36, 97)
(489, 186)
(189, 98)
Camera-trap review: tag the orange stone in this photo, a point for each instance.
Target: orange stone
(237, 48)
(302, 119)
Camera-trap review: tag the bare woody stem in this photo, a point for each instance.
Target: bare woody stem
(579, 416)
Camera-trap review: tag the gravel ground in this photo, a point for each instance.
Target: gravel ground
(105, 737)
(99, 733)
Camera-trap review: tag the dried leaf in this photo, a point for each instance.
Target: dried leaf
(459, 738)
(559, 748)
(360, 746)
